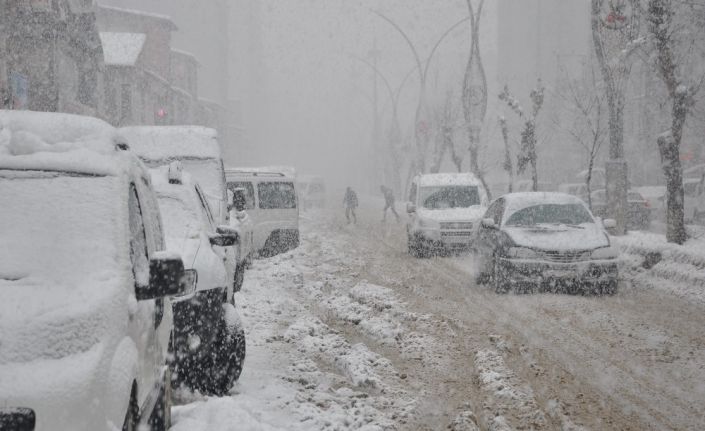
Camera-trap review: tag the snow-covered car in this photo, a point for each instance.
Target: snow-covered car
(545, 241)
(693, 199)
(85, 281)
(638, 209)
(312, 191)
(444, 211)
(272, 203)
(209, 341)
(199, 151)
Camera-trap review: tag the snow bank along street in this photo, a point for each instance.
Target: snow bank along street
(349, 332)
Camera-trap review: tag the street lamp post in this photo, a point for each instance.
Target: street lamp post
(421, 126)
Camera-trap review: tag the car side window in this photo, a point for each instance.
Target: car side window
(138, 241)
(495, 211)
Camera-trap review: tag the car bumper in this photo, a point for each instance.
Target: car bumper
(549, 275)
(447, 239)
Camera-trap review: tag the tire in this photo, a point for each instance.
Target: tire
(609, 288)
(500, 284)
(132, 414)
(413, 246)
(228, 357)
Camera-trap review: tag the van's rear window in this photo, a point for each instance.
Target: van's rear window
(276, 195)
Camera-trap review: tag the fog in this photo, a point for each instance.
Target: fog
(296, 73)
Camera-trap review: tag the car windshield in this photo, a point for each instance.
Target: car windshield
(567, 214)
(447, 197)
(181, 222)
(58, 225)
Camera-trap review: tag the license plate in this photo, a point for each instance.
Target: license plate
(561, 273)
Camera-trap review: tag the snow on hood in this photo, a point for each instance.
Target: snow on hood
(473, 213)
(40, 318)
(587, 236)
(156, 143)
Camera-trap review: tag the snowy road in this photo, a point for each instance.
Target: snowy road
(349, 332)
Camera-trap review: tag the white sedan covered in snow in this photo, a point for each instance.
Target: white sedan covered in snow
(547, 242)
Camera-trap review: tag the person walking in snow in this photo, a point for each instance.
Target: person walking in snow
(388, 202)
(350, 202)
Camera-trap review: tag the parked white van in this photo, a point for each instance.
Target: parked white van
(198, 150)
(444, 210)
(272, 203)
(85, 317)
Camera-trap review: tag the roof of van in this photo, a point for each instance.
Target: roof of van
(284, 171)
(60, 142)
(448, 179)
(173, 142)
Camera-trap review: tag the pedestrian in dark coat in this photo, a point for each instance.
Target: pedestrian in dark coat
(350, 202)
(388, 202)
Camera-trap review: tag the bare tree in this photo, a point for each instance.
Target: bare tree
(588, 109)
(671, 38)
(527, 152)
(615, 33)
(507, 165)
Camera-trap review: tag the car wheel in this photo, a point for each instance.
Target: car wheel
(132, 414)
(227, 359)
(413, 245)
(500, 282)
(609, 288)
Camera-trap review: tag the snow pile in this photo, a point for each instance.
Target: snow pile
(506, 393)
(301, 373)
(677, 269)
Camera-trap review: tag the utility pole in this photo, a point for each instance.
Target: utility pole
(475, 92)
(376, 153)
(421, 126)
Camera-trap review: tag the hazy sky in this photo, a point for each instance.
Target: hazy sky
(318, 95)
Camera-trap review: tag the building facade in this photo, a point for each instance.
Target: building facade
(52, 58)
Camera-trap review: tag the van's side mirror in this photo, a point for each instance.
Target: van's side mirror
(410, 208)
(225, 236)
(166, 278)
(488, 223)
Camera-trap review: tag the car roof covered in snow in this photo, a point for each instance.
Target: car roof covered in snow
(517, 201)
(448, 179)
(156, 143)
(286, 171)
(61, 142)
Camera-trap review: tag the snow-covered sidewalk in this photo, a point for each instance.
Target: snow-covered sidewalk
(300, 373)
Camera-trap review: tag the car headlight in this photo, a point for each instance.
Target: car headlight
(521, 253)
(609, 252)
